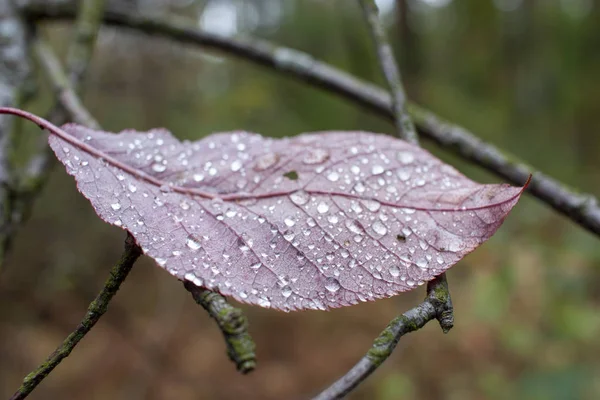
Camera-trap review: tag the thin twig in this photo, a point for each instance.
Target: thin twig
(80, 53)
(435, 304)
(63, 90)
(581, 208)
(233, 324)
(404, 125)
(95, 310)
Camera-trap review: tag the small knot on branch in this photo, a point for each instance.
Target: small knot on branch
(438, 295)
(233, 324)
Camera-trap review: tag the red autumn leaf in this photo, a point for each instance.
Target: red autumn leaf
(316, 221)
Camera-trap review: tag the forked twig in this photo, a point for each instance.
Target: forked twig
(435, 306)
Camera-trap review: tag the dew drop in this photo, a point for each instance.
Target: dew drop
(192, 243)
(377, 170)
(158, 167)
(286, 291)
(118, 222)
(184, 205)
(176, 253)
(359, 187)
(316, 156)
(395, 271)
(405, 157)
(439, 259)
(194, 279)
(379, 228)
(115, 206)
(266, 161)
(299, 197)
(333, 176)
(230, 213)
(198, 177)
(372, 205)
(160, 261)
(322, 208)
(264, 302)
(423, 244)
(455, 246)
(289, 235)
(403, 175)
(236, 165)
(289, 221)
(333, 219)
(332, 284)
(354, 226)
(355, 169)
(132, 188)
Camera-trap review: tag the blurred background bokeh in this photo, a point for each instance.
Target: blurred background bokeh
(522, 74)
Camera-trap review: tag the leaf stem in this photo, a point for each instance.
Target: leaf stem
(232, 323)
(404, 125)
(95, 310)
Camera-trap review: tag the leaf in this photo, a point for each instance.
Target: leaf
(316, 221)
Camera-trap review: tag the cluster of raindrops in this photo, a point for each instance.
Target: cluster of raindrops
(289, 224)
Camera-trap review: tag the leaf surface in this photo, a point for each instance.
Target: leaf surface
(315, 221)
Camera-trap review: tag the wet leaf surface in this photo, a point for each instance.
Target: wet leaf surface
(316, 221)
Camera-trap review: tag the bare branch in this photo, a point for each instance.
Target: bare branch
(88, 23)
(581, 208)
(435, 306)
(61, 87)
(404, 125)
(95, 310)
(233, 324)
(438, 303)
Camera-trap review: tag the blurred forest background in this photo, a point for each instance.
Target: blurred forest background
(522, 74)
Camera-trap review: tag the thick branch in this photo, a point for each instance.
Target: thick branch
(95, 310)
(233, 325)
(581, 208)
(404, 125)
(435, 306)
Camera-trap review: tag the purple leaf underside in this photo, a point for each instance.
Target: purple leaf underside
(316, 221)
